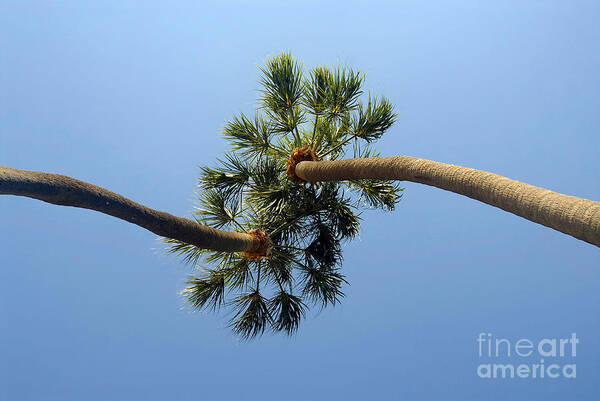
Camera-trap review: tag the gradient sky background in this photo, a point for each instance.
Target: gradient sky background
(132, 96)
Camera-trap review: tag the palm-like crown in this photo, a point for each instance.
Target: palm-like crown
(254, 189)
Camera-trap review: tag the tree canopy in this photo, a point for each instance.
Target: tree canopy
(319, 115)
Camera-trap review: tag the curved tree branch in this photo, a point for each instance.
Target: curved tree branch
(66, 191)
(568, 214)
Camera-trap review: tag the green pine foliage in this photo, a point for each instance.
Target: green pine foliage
(307, 224)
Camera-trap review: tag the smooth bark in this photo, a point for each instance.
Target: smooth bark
(66, 191)
(568, 214)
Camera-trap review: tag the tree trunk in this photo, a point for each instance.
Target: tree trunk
(66, 191)
(571, 215)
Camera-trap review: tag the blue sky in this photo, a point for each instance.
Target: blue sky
(132, 96)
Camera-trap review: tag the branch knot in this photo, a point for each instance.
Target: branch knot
(263, 250)
(298, 155)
